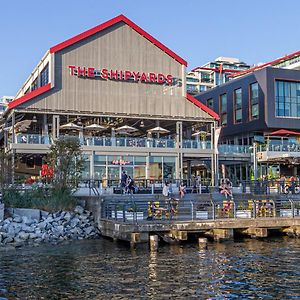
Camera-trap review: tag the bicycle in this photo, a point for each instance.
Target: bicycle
(291, 189)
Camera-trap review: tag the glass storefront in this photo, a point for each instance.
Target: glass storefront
(109, 168)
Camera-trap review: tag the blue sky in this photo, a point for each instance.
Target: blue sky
(197, 30)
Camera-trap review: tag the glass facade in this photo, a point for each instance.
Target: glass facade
(109, 168)
(44, 76)
(237, 106)
(254, 106)
(223, 109)
(287, 99)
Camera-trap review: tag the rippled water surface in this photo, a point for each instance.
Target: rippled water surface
(101, 269)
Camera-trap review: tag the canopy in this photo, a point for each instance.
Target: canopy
(70, 126)
(200, 133)
(284, 132)
(126, 129)
(94, 127)
(158, 129)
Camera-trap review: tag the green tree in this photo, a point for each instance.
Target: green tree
(66, 159)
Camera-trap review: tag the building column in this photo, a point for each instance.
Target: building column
(13, 123)
(214, 157)
(179, 159)
(92, 173)
(55, 127)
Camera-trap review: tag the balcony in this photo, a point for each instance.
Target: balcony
(117, 142)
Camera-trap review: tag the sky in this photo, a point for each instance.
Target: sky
(199, 31)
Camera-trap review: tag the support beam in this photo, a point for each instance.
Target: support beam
(256, 232)
(222, 234)
(179, 235)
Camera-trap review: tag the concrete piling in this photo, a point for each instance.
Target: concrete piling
(202, 242)
(153, 242)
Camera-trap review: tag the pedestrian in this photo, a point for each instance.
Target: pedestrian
(165, 190)
(282, 183)
(181, 190)
(124, 182)
(292, 184)
(130, 185)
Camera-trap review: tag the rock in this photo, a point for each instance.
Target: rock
(23, 235)
(79, 210)
(44, 214)
(27, 221)
(67, 216)
(17, 219)
(8, 240)
(89, 230)
(74, 222)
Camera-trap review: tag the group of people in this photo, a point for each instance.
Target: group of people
(167, 190)
(127, 184)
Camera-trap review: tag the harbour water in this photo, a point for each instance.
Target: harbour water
(102, 269)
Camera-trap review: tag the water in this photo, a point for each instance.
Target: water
(101, 269)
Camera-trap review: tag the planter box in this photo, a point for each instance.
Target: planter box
(119, 214)
(287, 212)
(201, 214)
(243, 214)
(131, 216)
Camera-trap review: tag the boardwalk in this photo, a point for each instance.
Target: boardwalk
(136, 218)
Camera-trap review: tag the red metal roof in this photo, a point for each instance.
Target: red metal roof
(284, 132)
(29, 96)
(203, 107)
(105, 25)
(270, 63)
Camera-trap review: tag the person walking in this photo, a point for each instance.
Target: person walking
(124, 182)
(130, 185)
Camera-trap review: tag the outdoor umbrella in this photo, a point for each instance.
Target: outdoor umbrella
(95, 127)
(70, 126)
(126, 129)
(201, 132)
(158, 129)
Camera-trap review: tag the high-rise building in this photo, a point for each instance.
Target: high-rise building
(213, 73)
(4, 100)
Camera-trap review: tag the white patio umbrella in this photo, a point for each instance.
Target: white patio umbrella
(70, 126)
(126, 129)
(95, 127)
(22, 126)
(200, 133)
(158, 129)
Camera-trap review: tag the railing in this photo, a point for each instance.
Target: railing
(143, 143)
(280, 147)
(145, 186)
(32, 139)
(260, 187)
(234, 149)
(194, 144)
(162, 209)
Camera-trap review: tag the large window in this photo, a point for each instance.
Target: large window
(210, 103)
(254, 108)
(45, 76)
(237, 106)
(223, 109)
(287, 99)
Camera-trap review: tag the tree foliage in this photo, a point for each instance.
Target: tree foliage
(66, 159)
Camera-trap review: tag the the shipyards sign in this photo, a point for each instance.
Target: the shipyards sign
(121, 75)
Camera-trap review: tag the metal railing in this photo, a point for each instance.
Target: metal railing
(265, 187)
(292, 147)
(162, 209)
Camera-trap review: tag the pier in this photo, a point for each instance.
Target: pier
(137, 218)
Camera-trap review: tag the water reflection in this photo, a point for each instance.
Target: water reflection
(105, 270)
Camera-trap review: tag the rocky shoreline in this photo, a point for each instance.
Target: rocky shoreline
(52, 228)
